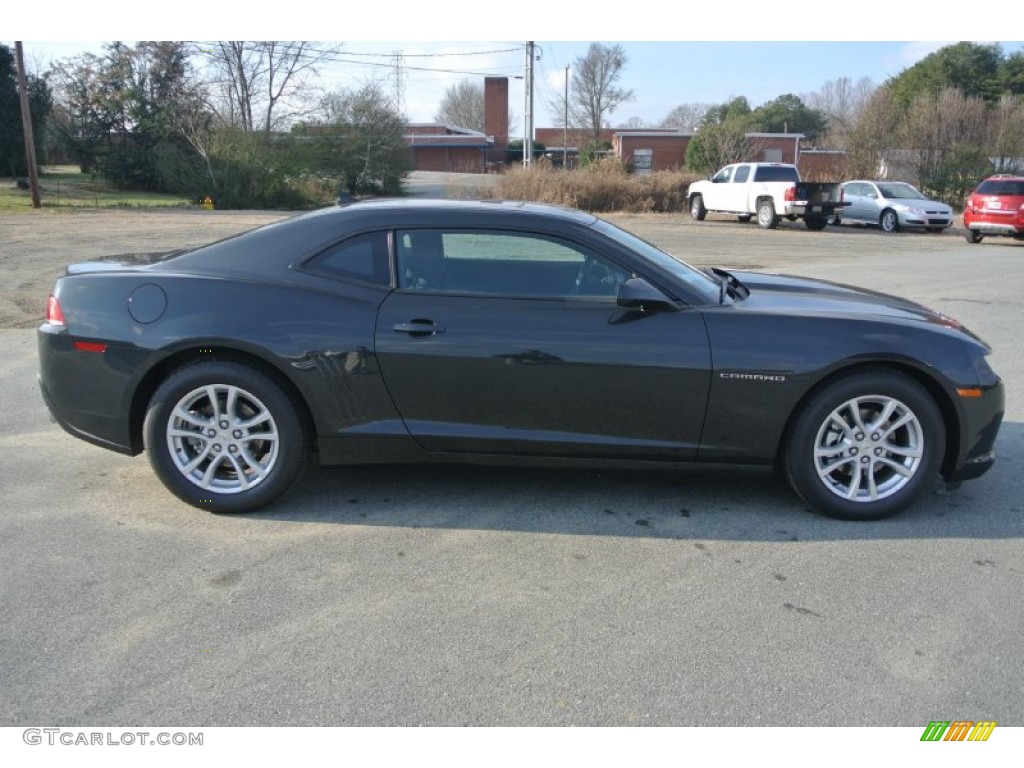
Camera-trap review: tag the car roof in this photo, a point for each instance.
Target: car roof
(273, 247)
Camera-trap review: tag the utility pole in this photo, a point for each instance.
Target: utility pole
(26, 126)
(565, 124)
(528, 138)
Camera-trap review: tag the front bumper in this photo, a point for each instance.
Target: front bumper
(980, 420)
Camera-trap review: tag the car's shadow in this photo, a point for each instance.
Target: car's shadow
(742, 506)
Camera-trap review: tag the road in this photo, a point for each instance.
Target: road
(455, 596)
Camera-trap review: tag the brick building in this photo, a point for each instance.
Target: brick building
(441, 147)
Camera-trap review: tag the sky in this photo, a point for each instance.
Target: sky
(759, 61)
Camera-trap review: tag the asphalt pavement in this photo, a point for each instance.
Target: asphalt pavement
(472, 596)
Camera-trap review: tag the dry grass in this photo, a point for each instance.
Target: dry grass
(601, 188)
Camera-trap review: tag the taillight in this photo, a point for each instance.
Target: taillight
(53, 311)
(842, 194)
(790, 194)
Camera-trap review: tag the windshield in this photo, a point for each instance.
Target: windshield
(900, 192)
(694, 278)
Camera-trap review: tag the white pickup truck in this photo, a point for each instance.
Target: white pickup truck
(767, 190)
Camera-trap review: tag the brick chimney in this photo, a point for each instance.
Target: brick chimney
(496, 110)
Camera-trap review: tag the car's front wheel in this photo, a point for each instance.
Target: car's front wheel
(889, 221)
(865, 447)
(224, 436)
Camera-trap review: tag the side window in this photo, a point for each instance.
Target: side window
(500, 263)
(723, 176)
(363, 257)
(742, 174)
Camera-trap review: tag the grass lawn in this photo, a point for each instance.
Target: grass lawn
(64, 186)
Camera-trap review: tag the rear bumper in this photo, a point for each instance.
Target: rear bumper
(87, 393)
(986, 228)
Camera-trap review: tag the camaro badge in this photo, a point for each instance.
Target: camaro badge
(776, 377)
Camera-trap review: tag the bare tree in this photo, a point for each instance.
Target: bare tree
(874, 132)
(1006, 137)
(593, 93)
(842, 102)
(634, 123)
(686, 117)
(463, 105)
(262, 85)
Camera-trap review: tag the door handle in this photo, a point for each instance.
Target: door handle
(418, 328)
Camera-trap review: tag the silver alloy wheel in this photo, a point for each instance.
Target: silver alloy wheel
(868, 448)
(766, 215)
(890, 222)
(222, 439)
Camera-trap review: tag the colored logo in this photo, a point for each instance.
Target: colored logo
(958, 730)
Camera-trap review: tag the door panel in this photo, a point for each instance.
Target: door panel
(544, 376)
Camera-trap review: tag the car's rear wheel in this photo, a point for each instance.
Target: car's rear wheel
(889, 221)
(973, 236)
(766, 218)
(697, 209)
(865, 447)
(224, 436)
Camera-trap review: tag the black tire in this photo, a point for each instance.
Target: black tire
(745, 217)
(835, 466)
(766, 218)
(973, 236)
(697, 209)
(889, 221)
(815, 224)
(235, 456)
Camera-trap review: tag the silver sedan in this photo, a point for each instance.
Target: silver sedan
(892, 205)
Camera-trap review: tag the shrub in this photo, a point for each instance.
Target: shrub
(601, 187)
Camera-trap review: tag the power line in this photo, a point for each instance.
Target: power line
(517, 49)
(338, 57)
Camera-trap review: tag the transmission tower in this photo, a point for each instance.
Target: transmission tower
(397, 77)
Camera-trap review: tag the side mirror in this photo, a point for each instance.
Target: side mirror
(637, 293)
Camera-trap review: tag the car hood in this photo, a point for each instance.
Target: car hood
(788, 294)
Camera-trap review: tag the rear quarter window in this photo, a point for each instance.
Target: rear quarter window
(363, 257)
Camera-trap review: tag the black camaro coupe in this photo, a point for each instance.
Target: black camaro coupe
(399, 331)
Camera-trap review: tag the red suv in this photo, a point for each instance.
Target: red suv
(995, 207)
